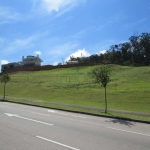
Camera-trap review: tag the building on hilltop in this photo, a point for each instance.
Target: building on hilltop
(26, 62)
(31, 60)
(69, 62)
(5, 67)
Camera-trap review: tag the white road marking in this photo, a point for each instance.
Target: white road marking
(78, 116)
(11, 115)
(53, 111)
(128, 131)
(40, 114)
(14, 115)
(63, 114)
(57, 143)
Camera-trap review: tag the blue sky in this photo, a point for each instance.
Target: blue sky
(57, 29)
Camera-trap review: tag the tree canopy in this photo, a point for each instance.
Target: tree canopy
(136, 51)
(4, 79)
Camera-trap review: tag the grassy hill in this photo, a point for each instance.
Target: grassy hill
(128, 90)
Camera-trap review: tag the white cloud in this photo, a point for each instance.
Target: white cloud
(79, 53)
(102, 52)
(18, 45)
(62, 49)
(52, 5)
(7, 15)
(38, 52)
(65, 10)
(4, 62)
(55, 5)
(55, 63)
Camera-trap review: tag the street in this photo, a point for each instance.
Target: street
(33, 128)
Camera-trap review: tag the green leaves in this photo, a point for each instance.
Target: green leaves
(5, 78)
(101, 75)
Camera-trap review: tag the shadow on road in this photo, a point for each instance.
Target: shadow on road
(122, 122)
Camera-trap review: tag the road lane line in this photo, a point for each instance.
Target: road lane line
(56, 112)
(78, 116)
(36, 121)
(40, 114)
(14, 115)
(56, 143)
(53, 111)
(63, 114)
(128, 131)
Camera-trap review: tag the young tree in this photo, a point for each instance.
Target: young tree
(4, 79)
(101, 75)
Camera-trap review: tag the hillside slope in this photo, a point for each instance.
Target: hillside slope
(128, 90)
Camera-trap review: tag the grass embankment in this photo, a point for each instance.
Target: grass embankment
(129, 89)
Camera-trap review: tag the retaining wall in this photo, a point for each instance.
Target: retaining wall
(47, 67)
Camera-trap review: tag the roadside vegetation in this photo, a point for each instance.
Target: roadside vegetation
(4, 79)
(129, 90)
(101, 76)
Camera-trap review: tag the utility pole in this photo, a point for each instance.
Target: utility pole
(132, 50)
(62, 61)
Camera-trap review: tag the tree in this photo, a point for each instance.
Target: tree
(125, 49)
(59, 64)
(101, 75)
(4, 79)
(137, 49)
(145, 44)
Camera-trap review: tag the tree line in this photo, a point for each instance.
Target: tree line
(134, 52)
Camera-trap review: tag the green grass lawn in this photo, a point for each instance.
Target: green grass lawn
(129, 88)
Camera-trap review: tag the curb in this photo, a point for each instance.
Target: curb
(98, 115)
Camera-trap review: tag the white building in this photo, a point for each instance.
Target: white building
(31, 60)
(28, 61)
(71, 62)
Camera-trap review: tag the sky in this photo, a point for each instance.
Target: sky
(58, 29)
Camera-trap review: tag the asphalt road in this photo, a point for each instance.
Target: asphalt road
(32, 128)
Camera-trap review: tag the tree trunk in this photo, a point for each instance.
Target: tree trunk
(4, 90)
(105, 101)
